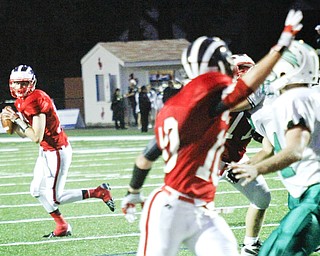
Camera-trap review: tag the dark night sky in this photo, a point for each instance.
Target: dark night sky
(52, 36)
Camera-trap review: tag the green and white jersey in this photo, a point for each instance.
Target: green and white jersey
(296, 106)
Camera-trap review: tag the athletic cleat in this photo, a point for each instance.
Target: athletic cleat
(317, 249)
(61, 233)
(103, 192)
(251, 250)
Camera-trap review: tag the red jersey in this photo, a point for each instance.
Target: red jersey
(238, 137)
(40, 102)
(191, 139)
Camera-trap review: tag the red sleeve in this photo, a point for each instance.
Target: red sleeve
(240, 93)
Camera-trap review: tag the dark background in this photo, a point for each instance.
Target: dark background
(53, 36)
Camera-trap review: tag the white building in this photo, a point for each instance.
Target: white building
(108, 65)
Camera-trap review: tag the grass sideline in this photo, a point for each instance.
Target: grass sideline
(96, 230)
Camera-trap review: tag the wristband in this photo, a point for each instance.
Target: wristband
(138, 177)
(23, 126)
(285, 39)
(279, 48)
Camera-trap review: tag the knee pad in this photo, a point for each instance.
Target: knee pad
(262, 201)
(257, 192)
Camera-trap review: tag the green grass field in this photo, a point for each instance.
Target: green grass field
(99, 155)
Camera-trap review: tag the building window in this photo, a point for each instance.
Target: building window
(100, 88)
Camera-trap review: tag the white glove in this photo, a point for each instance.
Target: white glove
(128, 205)
(131, 213)
(291, 28)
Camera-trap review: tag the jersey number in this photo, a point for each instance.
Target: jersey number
(169, 141)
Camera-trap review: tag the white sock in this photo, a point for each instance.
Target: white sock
(248, 240)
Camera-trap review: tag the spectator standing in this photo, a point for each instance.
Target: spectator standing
(136, 97)
(145, 108)
(118, 108)
(169, 91)
(152, 97)
(132, 101)
(159, 99)
(133, 80)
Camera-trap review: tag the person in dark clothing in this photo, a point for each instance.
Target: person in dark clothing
(132, 89)
(145, 108)
(169, 91)
(118, 108)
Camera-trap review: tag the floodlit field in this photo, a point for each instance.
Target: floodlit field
(100, 155)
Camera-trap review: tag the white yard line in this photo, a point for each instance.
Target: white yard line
(70, 239)
(88, 138)
(67, 218)
(106, 150)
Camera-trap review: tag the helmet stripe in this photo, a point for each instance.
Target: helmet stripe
(203, 56)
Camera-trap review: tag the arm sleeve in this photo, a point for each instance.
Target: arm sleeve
(240, 92)
(152, 152)
(256, 97)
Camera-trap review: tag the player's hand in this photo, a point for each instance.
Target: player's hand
(227, 174)
(230, 175)
(292, 23)
(8, 113)
(291, 28)
(128, 205)
(244, 171)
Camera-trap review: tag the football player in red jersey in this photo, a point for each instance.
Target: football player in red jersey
(37, 119)
(190, 130)
(238, 137)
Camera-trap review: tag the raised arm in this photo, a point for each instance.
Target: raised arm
(253, 79)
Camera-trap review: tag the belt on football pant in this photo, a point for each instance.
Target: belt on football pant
(170, 191)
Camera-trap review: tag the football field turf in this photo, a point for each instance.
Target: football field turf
(99, 155)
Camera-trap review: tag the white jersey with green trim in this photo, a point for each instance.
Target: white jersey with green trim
(296, 106)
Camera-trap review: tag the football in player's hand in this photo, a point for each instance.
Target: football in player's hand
(7, 125)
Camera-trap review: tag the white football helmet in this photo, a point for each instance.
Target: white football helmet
(242, 64)
(207, 54)
(298, 64)
(22, 81)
